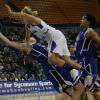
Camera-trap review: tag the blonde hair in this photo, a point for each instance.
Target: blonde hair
(28, 10)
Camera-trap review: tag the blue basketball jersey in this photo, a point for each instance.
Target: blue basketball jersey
(83, 45)
(58, 76)
(84, 52)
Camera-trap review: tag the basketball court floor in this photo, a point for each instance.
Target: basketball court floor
(30, 96)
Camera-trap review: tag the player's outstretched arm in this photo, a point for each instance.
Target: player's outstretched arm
(27, 18)
(13, 44)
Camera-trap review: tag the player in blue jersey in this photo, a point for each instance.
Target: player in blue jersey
(84, 45)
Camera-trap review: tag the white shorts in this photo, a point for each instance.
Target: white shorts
(58, 44)
(56, 40)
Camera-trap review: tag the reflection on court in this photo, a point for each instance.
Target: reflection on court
(30, 96)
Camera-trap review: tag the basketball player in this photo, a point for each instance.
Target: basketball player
(84, 45)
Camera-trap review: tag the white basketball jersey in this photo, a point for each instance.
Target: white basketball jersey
(42, 31)
(50, 34)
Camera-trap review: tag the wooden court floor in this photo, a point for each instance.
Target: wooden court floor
(30, 96)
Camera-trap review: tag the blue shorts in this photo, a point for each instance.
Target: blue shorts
(89, 64)
(58, 76)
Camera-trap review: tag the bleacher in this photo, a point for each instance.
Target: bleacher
(58, 11)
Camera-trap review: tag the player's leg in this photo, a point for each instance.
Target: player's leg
(96, 89)
(83, 96)
(62, 96)
(78, 87)
(78, 90)
(97, 95)
(55, 59)
(57, 49)
(89, 96)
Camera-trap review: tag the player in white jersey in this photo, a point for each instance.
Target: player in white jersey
(57, 45)
(51, 35)
(55, 38)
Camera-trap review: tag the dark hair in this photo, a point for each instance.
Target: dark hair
(91, 19)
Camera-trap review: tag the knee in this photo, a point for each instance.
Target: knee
(52, 59)
(79, 87)
(97, 94)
